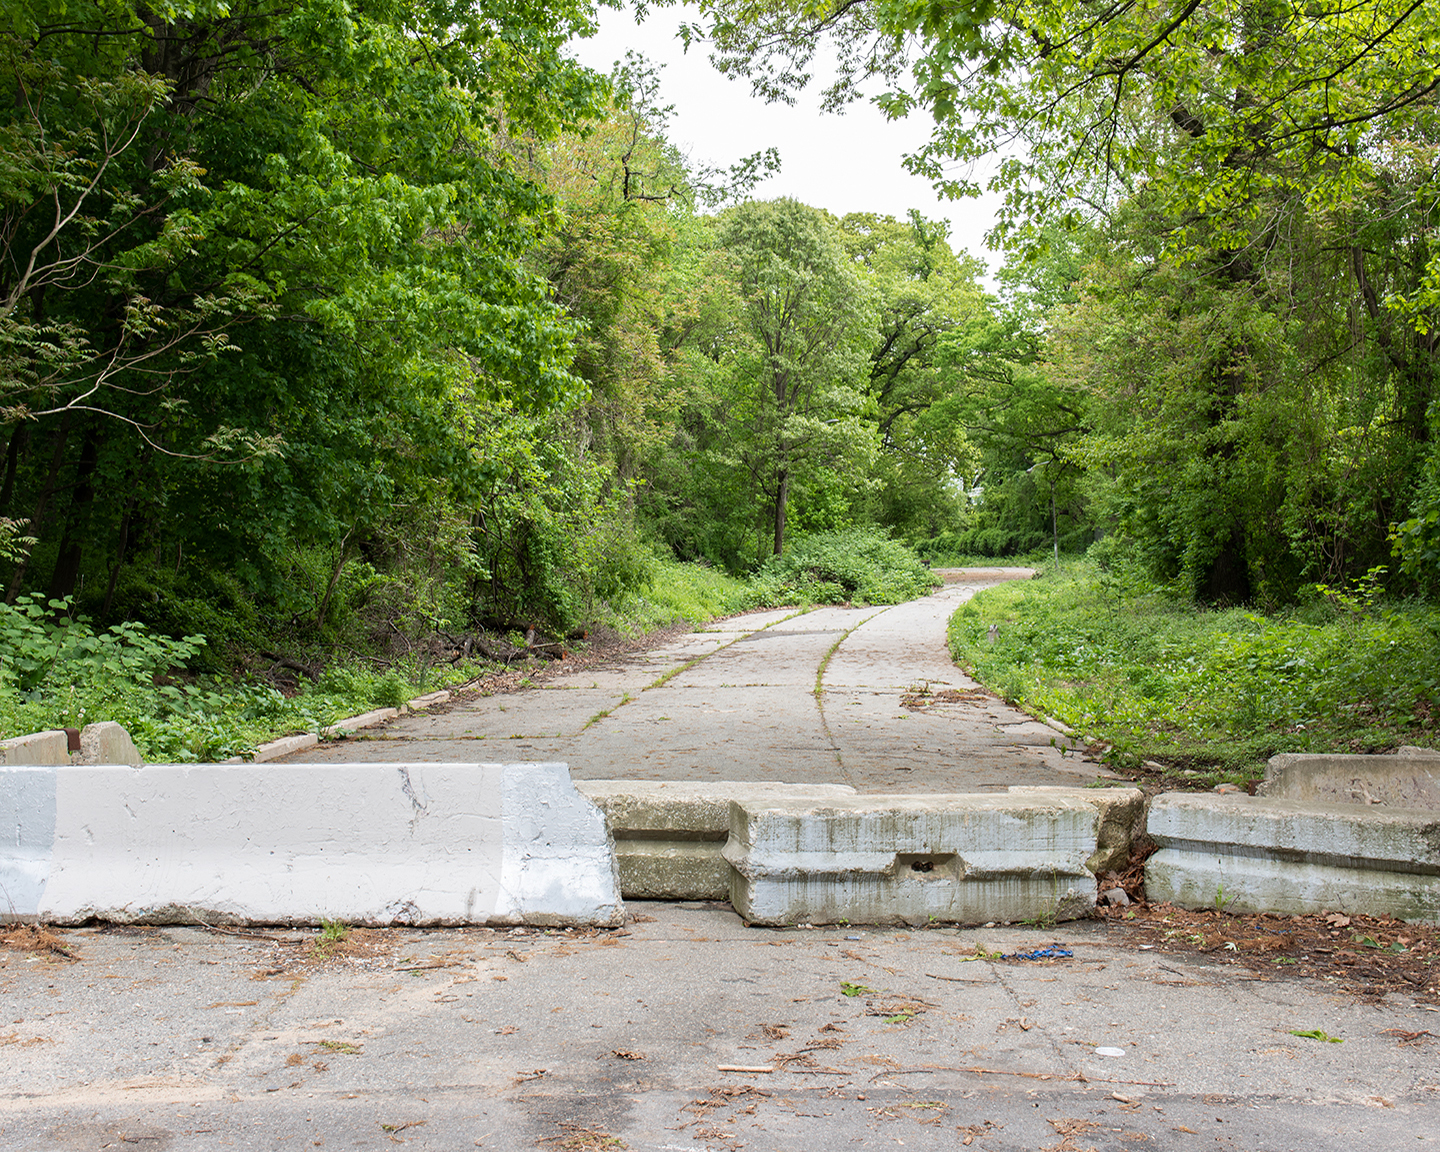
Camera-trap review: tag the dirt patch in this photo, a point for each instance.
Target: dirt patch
(300, 956)
(35, 938)
(603, 646)
(1362, 955)
(918, 699)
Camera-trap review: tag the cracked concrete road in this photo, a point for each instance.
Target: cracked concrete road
(860, 696)
(688, 1030)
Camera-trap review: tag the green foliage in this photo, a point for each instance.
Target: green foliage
(1153, 678)
(695, 593)
(989, 544)
(59, 671)
(861, 566)
(44, 651)
(771, 435)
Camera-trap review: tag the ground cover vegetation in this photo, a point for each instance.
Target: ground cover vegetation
(348, 350)
(1186, 695)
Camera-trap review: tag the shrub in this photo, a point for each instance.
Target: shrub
(853, 566)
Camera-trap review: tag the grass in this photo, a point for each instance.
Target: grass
(695, 593)
(1214, 692)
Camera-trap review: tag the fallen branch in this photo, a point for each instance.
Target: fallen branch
(238, 932)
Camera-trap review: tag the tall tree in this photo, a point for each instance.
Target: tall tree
(290, 232)
(809, 323)
(1256, 142)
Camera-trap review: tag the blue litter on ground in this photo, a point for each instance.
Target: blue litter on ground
(1053, 952)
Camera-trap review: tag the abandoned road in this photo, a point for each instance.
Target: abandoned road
(686, 1028)
(861, 696)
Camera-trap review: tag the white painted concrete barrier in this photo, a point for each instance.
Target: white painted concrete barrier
(422, 844)
(669, 835)
(911, 859)
(1254, 854)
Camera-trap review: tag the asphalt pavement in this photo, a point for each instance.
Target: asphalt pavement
(687, 1029)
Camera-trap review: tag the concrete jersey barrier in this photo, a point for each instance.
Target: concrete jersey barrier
(420, 844)
(1410, 779)
(960, 858)
(1251, 854)
(669, 836)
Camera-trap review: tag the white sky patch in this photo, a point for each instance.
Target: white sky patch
(842, 163)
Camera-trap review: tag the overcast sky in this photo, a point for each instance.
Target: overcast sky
(846, 163)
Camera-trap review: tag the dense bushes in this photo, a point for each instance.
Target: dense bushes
(857, 566)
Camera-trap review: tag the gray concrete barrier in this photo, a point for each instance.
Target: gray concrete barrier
(422, 844)
(669, 835)
(1408, 780)
(1253, 854)
(102, 743)
(1121, 813)
(913, 859)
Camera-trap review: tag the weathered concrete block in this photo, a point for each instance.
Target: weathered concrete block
(912, 859)
(669, 836)
(1264, 855)
(1409, 780)
(424, 844)
(37, 748)
(364, 720)
(107, 743)
(1121, 813)
(284, 746)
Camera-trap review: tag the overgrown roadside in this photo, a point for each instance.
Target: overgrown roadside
(1182, 696)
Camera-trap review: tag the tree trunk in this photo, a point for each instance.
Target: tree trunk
(77, 524)
(334, 579)
(18, 439)
(782, 500)
(37, 521)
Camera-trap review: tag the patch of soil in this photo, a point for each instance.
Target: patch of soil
(34, 938)
(603, 646)
(1362, 955)
(299, 956)
(918, 699)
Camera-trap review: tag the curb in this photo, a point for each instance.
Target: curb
(285, 745)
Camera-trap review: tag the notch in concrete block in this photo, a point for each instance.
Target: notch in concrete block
(953, 858)
(930, 865)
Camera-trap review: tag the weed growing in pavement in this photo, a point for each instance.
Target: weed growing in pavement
(332, 933)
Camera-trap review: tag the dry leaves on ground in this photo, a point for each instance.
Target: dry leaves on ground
(35, 938)
(1366, 955)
